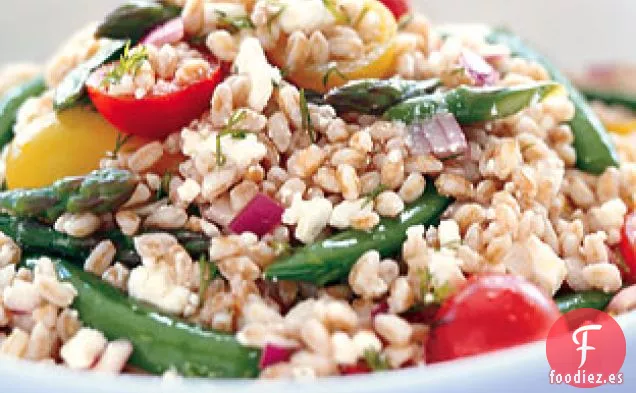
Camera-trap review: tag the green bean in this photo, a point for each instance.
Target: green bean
(611, 97)
(160, 342)
(589, 299)
(330, 260)
(11, 102)
(595, 151)
(34, 236)
(72, 90)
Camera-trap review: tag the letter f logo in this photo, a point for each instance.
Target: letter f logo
(583, 344)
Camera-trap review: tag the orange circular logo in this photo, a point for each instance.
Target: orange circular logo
(586, 348)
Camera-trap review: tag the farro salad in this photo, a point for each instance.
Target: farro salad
(299, 189)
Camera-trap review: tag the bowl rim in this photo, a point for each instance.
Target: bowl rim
(509, 364)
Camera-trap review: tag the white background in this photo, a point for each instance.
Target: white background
(573, 32)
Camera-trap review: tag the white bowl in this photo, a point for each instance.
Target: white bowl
(571, 29)
(520, 369)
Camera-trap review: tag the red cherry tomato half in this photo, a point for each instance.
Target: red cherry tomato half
(491, 312)
(628, 249)
(398, 7)
(155, 116)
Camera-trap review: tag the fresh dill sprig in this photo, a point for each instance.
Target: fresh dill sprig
(233, 24)
(306, 117)
(230, 129)
(363, 13)
(129, 63)
(333, 69)
(338, 14)
(164, 187)
(404, 21)
(375, 361)
(428, 292)
(120, 142)
(207, 273)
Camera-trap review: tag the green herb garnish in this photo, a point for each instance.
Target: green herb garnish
(230, 129)
(306, 117)
(428, 293)
(404, 21)
(207, 273)
(233, 24)
(375, 360)
(129, 64)
(281, 248)
(338, 14)
(363, 13)
(164, 187)
(333, 69)
(120, 142)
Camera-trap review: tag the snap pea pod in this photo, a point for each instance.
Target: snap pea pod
(588, 299)
(472, 104)
(611, 97)
(11, 102)
(34, 236)
(134, 19)
(98, 192)
(595, 151)
(160, 342)
(375, 96)
(330, 260)
(72, 90)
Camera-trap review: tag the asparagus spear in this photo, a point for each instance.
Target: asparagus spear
(34, 236)
(330, 260)
(134, 19)
(472, 105)
(374, 96)
(98, 192)
(594, 149)
(160, 342)
(11, 102)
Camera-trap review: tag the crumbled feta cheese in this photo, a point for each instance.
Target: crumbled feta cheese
(448, 233)
(346, 210)
(251, 61)
(310, 217)
(445, 271)
(189, 190)
(154, 285)
(308, 15)
(537, 262)
(243, 151)
(603, 276)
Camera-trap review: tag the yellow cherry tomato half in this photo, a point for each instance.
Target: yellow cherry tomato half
(626, 127)
(376, 62)
(57, 145)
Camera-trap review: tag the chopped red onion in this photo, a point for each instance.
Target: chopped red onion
(273, 354)
(478, 69)
(169, 33)
(260, 216)
(440, 136)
